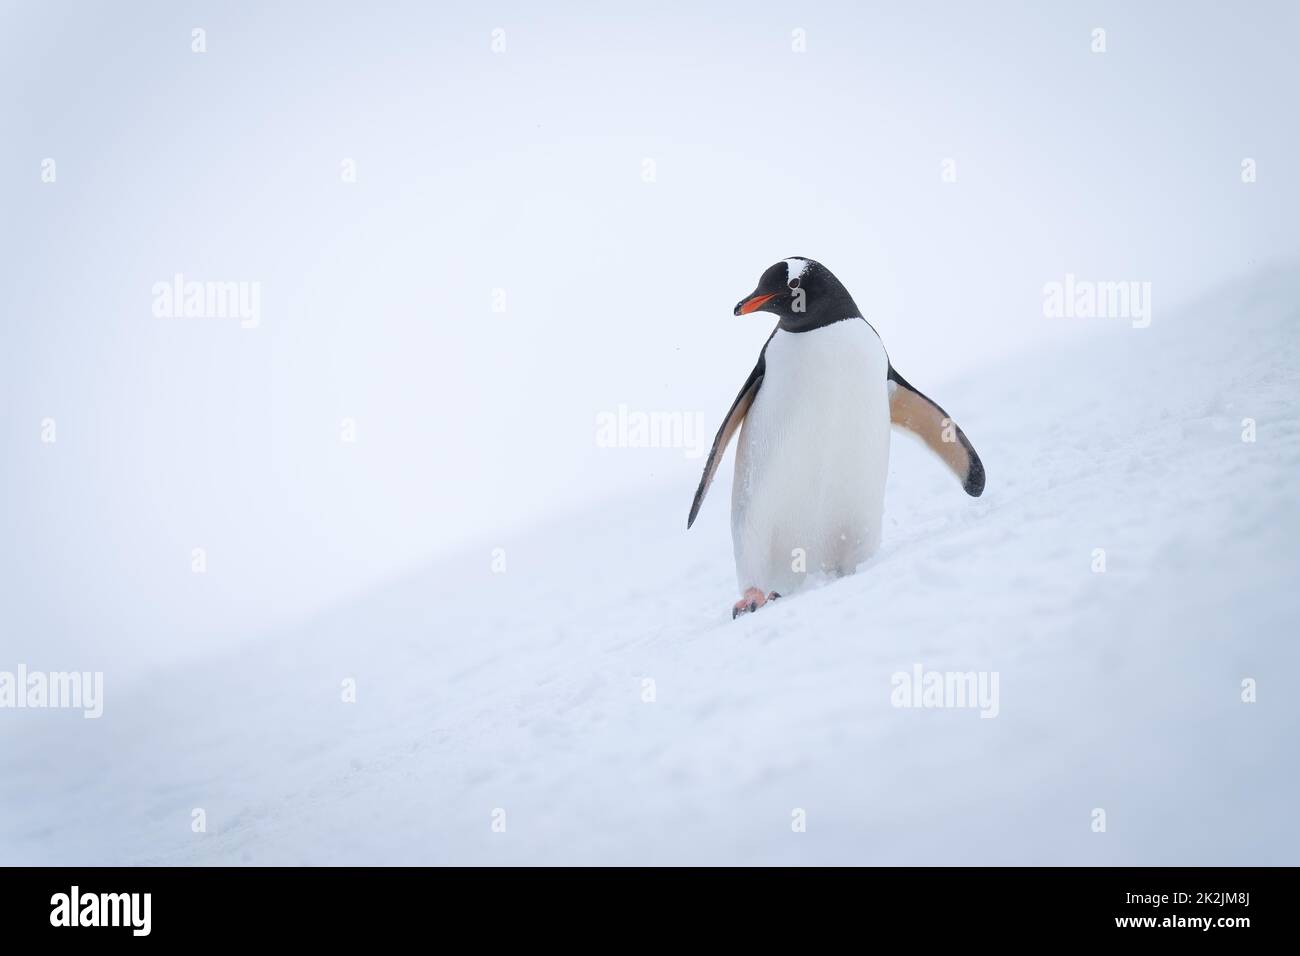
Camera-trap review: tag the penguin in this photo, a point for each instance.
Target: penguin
(814, 418)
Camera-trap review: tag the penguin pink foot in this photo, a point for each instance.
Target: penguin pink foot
(752, 601)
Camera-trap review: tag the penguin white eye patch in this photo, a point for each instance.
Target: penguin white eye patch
(794, 268)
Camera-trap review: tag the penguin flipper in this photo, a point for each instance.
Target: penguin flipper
(730, 424)
(910, 409)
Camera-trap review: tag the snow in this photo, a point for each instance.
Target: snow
(523, 691)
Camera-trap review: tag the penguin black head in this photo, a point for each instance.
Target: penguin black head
(803, 293)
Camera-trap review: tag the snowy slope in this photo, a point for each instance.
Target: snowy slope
(523, 690)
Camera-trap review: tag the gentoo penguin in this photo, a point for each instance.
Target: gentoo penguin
(809, 488)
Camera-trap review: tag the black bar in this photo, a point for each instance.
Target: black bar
(337, 905)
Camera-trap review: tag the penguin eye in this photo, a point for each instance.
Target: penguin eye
(793, 283)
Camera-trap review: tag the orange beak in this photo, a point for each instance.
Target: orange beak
(754, 303)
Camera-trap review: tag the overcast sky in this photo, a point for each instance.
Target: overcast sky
(622, 177)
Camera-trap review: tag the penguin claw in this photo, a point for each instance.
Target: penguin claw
(751, 602)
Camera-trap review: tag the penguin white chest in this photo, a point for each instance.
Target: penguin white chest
(808, 495)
